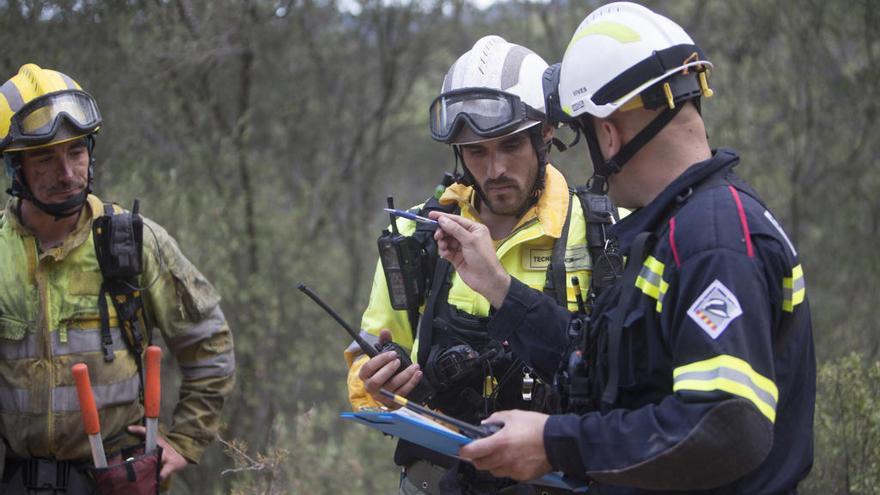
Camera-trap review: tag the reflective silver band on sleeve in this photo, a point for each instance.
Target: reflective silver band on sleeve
(198, 332)
(216, 366)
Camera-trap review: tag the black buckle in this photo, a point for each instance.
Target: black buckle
(45, 474)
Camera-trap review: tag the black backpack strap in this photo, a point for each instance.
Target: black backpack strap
(106, 337)
(103, 311)
(641, 246)
(439, 289)
(432, 262)
(122, 290)
(556, 285)
(599, 214)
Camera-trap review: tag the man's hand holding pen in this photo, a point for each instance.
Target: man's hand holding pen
(468, 246)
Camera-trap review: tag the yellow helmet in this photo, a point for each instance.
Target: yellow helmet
(41, 107)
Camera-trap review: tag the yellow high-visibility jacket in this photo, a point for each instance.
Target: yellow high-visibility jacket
(49, 321)
(525, 254)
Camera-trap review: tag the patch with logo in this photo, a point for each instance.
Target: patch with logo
(716, 307)
(536, 259)
(577, 258)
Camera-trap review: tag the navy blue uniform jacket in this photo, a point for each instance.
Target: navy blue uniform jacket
(717, 366)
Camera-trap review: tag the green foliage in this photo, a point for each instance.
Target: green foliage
(847, 428)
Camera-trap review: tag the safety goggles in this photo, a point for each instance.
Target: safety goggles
(39, 120)
(489, 113)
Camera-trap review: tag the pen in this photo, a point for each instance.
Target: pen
(410, 216)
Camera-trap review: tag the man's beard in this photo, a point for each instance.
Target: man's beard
(514, 191)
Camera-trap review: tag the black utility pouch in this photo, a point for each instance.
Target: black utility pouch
(129, 472)
(401, 258)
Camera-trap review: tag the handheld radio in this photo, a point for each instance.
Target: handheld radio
(401, 258)
(422, 391)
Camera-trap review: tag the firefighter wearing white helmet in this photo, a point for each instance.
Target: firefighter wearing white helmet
(625, 57)
(491, 91)
(491, 110)
(698, 372)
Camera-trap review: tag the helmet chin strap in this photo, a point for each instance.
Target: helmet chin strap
(466, 178)
(60, 210)
(602, 168)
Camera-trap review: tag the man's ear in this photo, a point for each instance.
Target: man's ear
(609, 135)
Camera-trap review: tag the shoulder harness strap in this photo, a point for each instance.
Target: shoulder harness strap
(642, 245)
(555, 285)
(599, 214)
(118, 238)
(437, 272)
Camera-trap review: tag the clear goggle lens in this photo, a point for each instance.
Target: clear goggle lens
(488, 113)
(41, 118)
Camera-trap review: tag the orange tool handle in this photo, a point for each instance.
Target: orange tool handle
(153, 390)
(86, 399)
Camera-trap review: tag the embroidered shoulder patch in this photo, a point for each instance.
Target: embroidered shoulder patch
(716, 307)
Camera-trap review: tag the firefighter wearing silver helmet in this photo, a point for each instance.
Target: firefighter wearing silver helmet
(490, 110)
(491, 91)
(701, 367)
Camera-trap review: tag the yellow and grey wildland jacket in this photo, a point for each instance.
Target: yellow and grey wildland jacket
(49, 321)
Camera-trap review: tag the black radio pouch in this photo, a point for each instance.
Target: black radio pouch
(408, 261)
(401, 258)
(119, 240)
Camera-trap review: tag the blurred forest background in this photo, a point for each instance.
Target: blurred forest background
(265, 135)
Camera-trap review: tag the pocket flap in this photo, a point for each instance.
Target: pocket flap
(12, 329)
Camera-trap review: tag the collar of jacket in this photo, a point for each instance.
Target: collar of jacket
(550, 210)
(646, 218)
(80, 233)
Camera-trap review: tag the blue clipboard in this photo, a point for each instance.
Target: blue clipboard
(417, 429)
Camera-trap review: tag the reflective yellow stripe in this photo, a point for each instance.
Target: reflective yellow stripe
(663, 288)
(794, 289)
(732, 375)
(650, 280)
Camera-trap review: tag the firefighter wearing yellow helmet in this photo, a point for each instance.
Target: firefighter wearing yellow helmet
(56, 309)
(40, 108)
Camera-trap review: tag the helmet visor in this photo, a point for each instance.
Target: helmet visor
(40, 119)
(489, 113)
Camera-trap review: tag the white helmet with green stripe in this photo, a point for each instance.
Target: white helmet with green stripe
(619, 51)
(624, 56)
